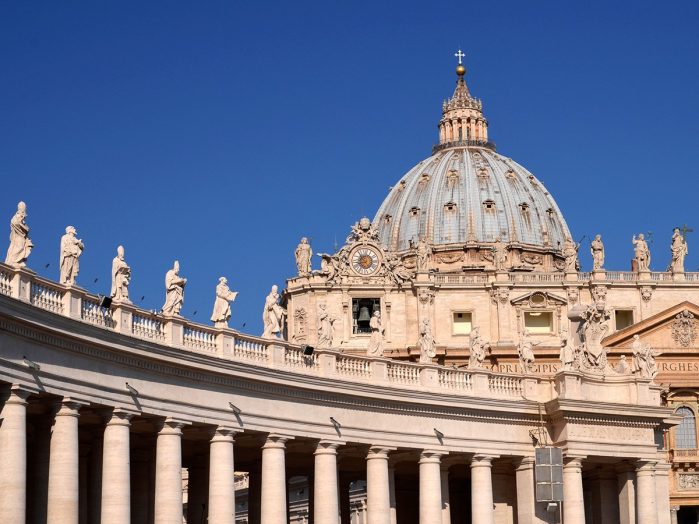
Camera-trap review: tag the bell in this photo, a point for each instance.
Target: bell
(364, 314)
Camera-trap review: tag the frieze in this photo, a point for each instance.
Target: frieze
(684, 328)
(606, 433)
(688, 481)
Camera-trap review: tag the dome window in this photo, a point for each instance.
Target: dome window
(387, 219)
(424, 178)
(414, 211)
(550, 212)
(452, 178)
(483, 173)
(450, 207)
(489, 205)
(401, 185)
(524, 207)
(510, 174)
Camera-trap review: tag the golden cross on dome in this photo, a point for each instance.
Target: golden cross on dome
(459, 54)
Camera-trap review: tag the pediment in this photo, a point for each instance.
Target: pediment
(539, 299)
(674, 328)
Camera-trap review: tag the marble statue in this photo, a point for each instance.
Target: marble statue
(623, 366)
(643, 362)
(525, 350)
(174, 291)
(423, 251)
(499, 254)
(597, 250)
(326, 328)
(375, 347)
(678, 249)
(427, 343)
(303, 255)
(273, 315)
(479, 349)
(570, 254)
(641, 252)
(594, 329)
(121, 277)
(568, 352)
(20, 244)
(71, 249)
(222, 304)
(397, 270)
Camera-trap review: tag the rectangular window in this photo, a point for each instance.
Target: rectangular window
(623, 318)
(538, 322)
(462, 323)
(362, 310)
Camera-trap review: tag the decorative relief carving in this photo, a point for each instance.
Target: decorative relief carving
(450, 258)
(300, 317)
(605, 433)
(688, 481)
(500, 294)
(532, 259)
(646, 293)
(684, 329)
(573, 295)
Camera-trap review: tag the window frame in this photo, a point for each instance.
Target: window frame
(453, 323)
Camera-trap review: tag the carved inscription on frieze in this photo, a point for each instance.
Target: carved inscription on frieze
(610, 433)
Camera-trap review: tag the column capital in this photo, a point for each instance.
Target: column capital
(482, 461)
(171, 426)
(572, 462)
(223, 433)
(428, 456)
(328, 447)
(276, 440)
(524, 463)
(645, 467)
(119, 417)
(379, 452)
(17, 394)
(69, 407)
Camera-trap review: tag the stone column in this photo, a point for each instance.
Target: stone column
(274, 505)
(430, 487)
(609, 500)
(662, 492)
(627, 494)
(527, 510)
(64, 465)
(573, 500)
(13, 456)
(325, 491)
(482, 511)
(673, 514)
(377, 486)
(116, 469)
(446, 506)
(646, 508)
(168, 473)
(221, 467)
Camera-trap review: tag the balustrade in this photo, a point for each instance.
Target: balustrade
(455, 379)
(353, 367)
(506, 386)
(199, 339)
(47, 296)
(403, 373)
(92, 312)
(148, 327)
(5, 282)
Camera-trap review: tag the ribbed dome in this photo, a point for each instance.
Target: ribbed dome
(470, 194)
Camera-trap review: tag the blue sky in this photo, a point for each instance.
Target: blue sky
(219, 133)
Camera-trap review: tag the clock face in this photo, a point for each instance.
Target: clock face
(365, 261)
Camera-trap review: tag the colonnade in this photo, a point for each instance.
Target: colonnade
(638, 500)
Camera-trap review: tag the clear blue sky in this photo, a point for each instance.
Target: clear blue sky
(219, 133)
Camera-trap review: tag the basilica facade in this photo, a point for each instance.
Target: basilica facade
(449, 364)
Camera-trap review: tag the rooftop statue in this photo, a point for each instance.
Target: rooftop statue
(597, 250)
(303, 255)
(174, 291)
(479, 348)
(525, 350)
(570, 253)
(121, 277)
(326, 328)
(20, 244)
(273, 315)
(499, 254)
(423, 252)
(427, 343)
(643, 359)
(222, 304)
(678, 249)
(641, 252)
(71, 249)
(329, 267)
(396, 270)
(375, 347)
